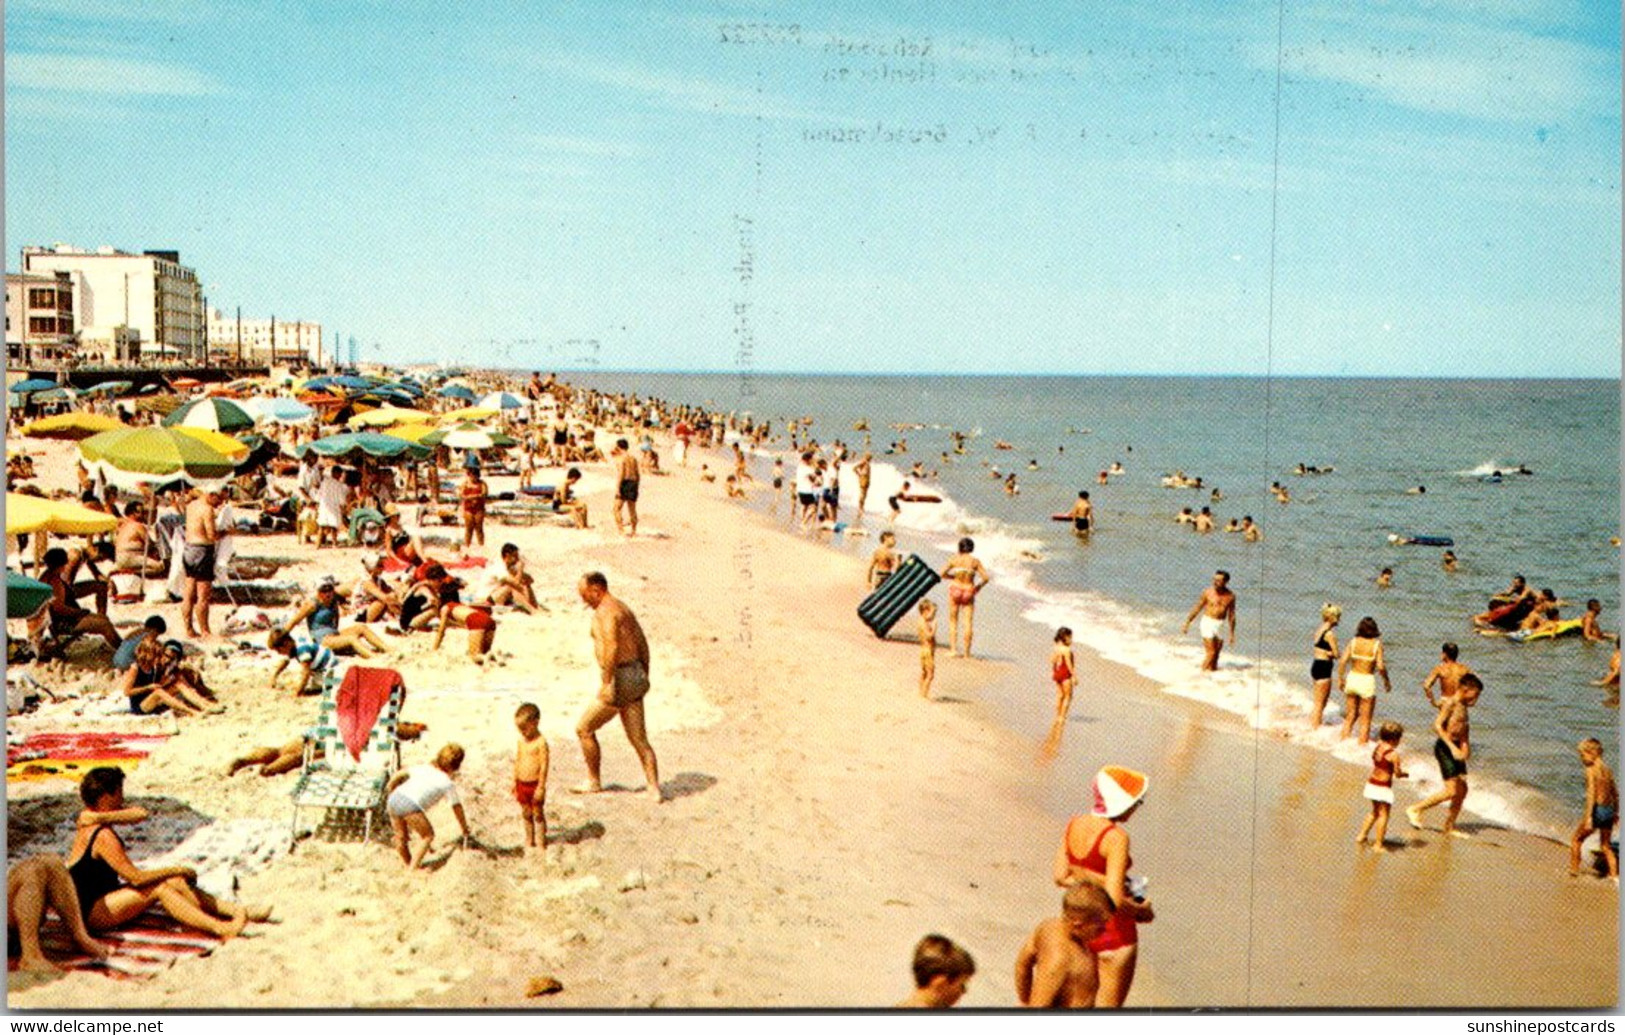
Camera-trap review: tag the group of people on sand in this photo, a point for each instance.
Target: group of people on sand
(1086, 956)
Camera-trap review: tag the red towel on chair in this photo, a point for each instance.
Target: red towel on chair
(361, 697)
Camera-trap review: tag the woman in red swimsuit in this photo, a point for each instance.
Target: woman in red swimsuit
(1096, 848)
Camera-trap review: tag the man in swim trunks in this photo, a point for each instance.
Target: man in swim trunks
(1216, 605)
(623, 662)
(1056, 967)
(1447, 673)
(197, 560)
(626, 493)
(1082, 515)
(1451, 749)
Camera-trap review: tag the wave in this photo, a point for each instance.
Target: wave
(1487, 468)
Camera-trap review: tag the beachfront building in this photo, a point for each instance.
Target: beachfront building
(266, 342)
(150, 295)
(40, 324)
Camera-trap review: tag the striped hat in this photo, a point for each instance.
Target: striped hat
(1118, 789)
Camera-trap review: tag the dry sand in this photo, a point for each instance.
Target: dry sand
(822, 819)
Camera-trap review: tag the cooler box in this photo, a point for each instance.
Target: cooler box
(895, 597)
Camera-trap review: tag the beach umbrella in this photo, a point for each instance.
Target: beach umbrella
(24, 596)
(218, 441)
(368, 443)
(462, 392)
(110, 388)
(58, 394)
(185, 384)
(468, 413)
(388, 416)
(213, 413)
(418, 434)
(472, 436)
(502, 401)
(27, 514)
(71, 426)
(135, 456)
(33, 384)
(278, 409)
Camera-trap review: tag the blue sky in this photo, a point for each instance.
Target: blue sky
(1022, 188)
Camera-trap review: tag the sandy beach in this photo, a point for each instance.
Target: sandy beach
(821, 818)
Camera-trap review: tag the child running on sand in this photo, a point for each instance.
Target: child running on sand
(928, 647)
(530, 774)
(1451, 750)
(1379, 786)
(1057, 967)
(1064, 670)
(942, 972)
(412, 792)
(1601, 808)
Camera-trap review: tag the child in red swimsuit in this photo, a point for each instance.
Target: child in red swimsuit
(1379, 787)
(1064, 670)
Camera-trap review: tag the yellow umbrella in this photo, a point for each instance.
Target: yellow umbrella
(223, 444)
(414, 433)
(26, 515)
(387, 416)
(467, 413)
(73, 426)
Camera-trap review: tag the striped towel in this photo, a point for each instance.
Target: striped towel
(148, 945)
(71, 755)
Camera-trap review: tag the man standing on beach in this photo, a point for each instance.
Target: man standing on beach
(1216, 605)
(197, 560)
(1447, 673)
(623, 662)
(626, 493)
(1451, 750)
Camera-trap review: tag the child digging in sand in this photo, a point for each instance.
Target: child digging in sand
(530, 774)
(928, 647)
(1379, 787)
(942, 972)
(1601, 808)
(413, 792)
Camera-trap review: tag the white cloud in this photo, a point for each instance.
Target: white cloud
(81, 73)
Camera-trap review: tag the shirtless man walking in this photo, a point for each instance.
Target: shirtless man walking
(1447, 673)
(623, 661)
(1452, 748)
(1056, 967)
(1216, 605)
(626, 493)
(197, 560)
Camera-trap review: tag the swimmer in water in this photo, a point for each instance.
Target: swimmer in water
(1449, 561)
(1386, 579)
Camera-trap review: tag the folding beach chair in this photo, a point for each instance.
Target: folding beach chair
(356, 728)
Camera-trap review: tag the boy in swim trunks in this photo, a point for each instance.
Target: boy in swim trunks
(885, 560)
(1057, 967)
(1601, 808)
(530, 774)
(928, 647)
(942, 972)
(1451, 749)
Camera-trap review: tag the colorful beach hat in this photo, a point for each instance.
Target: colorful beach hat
(1118, 789)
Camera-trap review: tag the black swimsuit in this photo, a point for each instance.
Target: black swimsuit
(93, 878)
(1321, 668)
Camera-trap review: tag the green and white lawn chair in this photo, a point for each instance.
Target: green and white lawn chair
(356, 730)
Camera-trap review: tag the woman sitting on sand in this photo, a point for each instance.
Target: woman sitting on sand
(420, 604)
(1324, 652)
(321, 617)
(156, 682)
(1364, 656)
(113, 890)
(963, 569)
(371, 599)
(1095, 848)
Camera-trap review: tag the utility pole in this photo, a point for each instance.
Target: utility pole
(239, 335)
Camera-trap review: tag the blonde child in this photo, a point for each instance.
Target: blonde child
(928, 646)
(1379, 786)
(530, 774)
(1064, 670)
(412, 792)
(1601, 809)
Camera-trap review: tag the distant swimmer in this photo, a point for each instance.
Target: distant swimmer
(1215, 496)
(1032, 465)
(1010, 486)
(1385, 579)
(1448, 563)
(1103, 478)
(1250, 531)
(1115, 468)
(1185, 516)
(1217, 606)
(1420, 490)
(1232, 525)
(1082, 515)
(1589, 628)
(1204, 521)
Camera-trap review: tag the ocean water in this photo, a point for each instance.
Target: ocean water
(1126, 589)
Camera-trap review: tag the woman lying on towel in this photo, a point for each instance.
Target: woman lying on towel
(113, 890)
(482, 628)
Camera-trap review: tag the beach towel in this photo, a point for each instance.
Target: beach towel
(70, 755)
(361, 697)
(393, 564)
(147, 945)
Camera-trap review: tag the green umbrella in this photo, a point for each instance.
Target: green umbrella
(213, 413)
(369, 443)
(24, 595)
(132, 456)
